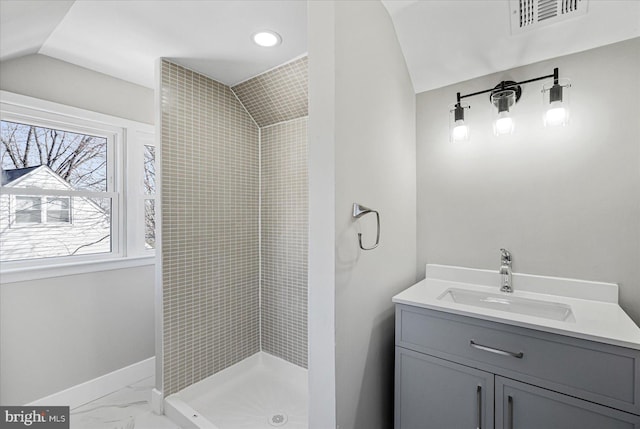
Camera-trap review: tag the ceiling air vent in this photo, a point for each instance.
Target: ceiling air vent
(530, 14)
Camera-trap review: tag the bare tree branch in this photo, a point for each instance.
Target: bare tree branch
(40, 151)
(8, 150)
(27, 148)
(89, 244)
(78, 159)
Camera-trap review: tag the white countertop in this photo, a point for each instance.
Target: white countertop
(598, 317)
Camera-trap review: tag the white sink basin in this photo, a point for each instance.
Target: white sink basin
(578, 308)
(512, 304)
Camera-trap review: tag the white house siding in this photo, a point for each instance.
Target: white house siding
(84, 235)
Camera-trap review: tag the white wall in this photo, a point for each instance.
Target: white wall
(565, 201)
(51, 79)
(321, 271)
(361, 89)
(58, 332)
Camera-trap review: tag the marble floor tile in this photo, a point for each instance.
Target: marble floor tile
(128, 408)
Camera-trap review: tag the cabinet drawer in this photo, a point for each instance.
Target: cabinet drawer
(593, 371)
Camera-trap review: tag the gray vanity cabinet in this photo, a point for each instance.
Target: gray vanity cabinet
(457, 397)
(461, 372)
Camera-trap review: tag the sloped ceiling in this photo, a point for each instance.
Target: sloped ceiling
(125, 38)
(444, 41)
(26, 25)
(450, 41)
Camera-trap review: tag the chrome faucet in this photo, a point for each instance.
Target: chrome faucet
(505, 271)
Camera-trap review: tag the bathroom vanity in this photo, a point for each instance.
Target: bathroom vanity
(555, 353)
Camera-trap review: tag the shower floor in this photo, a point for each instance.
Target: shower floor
(261, 391)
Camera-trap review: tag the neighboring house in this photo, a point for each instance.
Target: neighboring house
(34, 226)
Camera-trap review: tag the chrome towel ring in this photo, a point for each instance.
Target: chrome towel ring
(359, 211)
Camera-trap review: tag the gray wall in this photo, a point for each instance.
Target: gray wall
(59, 332)
(565, 201)
(50, 79)
(210, 196)
(97, 322)
(374, 141)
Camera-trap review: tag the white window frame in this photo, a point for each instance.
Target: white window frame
(126, 138)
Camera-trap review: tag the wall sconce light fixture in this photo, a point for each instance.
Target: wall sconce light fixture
(505, 95)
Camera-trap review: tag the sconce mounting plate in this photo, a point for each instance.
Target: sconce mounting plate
(504, 86)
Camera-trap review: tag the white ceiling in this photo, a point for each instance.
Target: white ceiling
(444, 42)
(124, 38)
(26, 25)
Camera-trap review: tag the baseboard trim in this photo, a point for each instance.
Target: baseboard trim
(98, 387)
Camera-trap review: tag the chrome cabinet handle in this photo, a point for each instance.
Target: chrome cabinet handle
(501, 352)
(510, 411)
(479, 393)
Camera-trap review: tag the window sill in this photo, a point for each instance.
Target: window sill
(62, 270)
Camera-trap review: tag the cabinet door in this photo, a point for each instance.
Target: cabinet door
(522, 406)
(432, 393)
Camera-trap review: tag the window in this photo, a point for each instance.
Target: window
(55, 165)
(28, 210)
(72, 181)
(150, 196)
(58, 210)
(35, 210)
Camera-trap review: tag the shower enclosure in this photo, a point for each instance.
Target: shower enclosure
(232, 321)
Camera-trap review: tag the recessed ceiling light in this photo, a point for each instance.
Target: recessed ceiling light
(266, 38)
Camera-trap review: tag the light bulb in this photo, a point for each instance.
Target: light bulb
(556, 115)
(460, 131)
(504, 124)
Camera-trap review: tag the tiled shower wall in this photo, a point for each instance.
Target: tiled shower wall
(284, 211)
(210, 255)
(277, 100)
(210, 238)
(278, 95)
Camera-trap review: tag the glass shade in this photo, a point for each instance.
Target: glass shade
(503, 100)
(460, 132)
(458, 128)
(556, 101)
